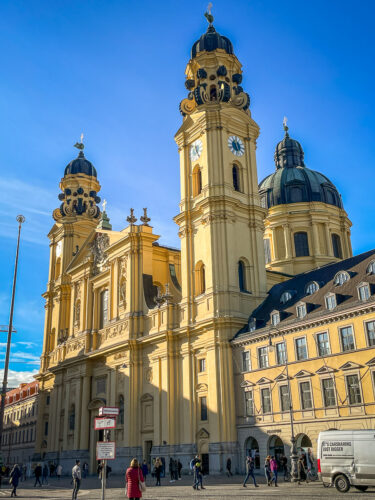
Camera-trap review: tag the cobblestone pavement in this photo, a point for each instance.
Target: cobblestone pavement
(217, 488)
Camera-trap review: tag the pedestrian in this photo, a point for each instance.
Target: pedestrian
(45, 474)
(51, 469)
(198, 475)
(267, 469)
(229, 466)
(59, 471)
(179, 467)
(284, 465)
(144, 469)
(85, 470)
(301, 469)
(157, 471)
(250, 472)
(14, 479)
(76, 476)
(172, 470)
(108, 470)
(133, 478)
(193, 461)
(37, 474)
(273, 467)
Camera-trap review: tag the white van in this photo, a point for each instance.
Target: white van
(347, 458)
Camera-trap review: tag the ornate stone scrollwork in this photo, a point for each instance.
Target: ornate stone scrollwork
(98, 250)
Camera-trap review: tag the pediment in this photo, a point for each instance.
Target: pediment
(246, 383)
(264, 380)
(201, 387)
(350, 366)
(203, 434)
(325, 369)
(371, 362)
(146, 397)
(83, 253)
(281, 377)
(96, 403)
(303, 373)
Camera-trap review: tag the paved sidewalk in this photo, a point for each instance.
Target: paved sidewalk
(217, 488)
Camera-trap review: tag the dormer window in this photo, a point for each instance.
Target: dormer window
(331, 301)
(301, 310)
(341, 277)
(371, 268)
(363, 291)
(311, 288)
(286, 296)
(275, 318)
(252, 325)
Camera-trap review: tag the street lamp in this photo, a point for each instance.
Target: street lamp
(294, 454)
(20, 219)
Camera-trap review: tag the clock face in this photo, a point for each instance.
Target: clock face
(236, 145)
(196, 149)
(58, 248)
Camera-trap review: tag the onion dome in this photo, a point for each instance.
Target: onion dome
(293, 182)
(80, 166)
(210, 41)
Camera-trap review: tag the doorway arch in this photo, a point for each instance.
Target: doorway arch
(303, 441)
(276, 447)
(252, 450)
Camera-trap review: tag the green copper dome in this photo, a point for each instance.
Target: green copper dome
(293, 182)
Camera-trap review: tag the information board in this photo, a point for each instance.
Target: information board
(104, 423)
(108, 411)
(105, 450)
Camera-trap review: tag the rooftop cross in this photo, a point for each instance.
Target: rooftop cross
(104, 204)
(286, 128)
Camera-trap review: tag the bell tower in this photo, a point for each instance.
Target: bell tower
(220, 220)
(77, 216)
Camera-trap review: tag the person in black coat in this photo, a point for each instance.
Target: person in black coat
(14, 479)
(37, 474)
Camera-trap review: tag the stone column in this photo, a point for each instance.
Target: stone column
(77, 423)
(315, 232)
(328, 240)
(288, 242)
(66, 415)
(56, 428)
(85, 414)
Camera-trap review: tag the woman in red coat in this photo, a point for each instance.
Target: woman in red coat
(132, 477)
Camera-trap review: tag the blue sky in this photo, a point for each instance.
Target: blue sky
(114, 70)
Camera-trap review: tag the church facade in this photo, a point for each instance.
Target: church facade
(148, 328)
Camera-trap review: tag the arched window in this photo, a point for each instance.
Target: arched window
(200, 278)
(121, 410)
(197, 181)
(213, 93)
(103, 308)
(286, 296)
(311, 288)
(301, 244)
(371, 268)
(242, 276)
(336, 245)
(341, 277)
(295, 194)
(236, 177)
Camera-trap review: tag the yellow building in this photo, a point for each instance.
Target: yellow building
(322, 323)
(147, 328)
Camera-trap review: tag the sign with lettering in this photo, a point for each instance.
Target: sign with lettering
(108, 411)
(105, 423)
(337, 449)
(105, 450)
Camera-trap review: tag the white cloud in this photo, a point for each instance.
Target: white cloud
(16, 378)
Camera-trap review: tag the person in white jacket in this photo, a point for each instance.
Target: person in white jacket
(76, 475)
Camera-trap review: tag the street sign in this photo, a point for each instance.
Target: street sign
(105, 450)
(105, 423)
(108, 411)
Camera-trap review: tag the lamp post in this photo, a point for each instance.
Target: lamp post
(294, 454)
(20, 219)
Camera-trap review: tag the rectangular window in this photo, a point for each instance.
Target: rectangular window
(267, 250)
(323, 344)
(202, 365)
(331, 301)
(364, 292)
(203, 404)
(101, 385)
(275, 318)
(306, 400)
(329, 396)
(48, 399)
(246, 361)
(347, 338)
(263, 357)
(354, 391)
(266, 400)
(284, 398)
(301, 311)
(103, 308)
(46, 428)
(370, 330)
(281, 353)
(249, 403)
(301, 348)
